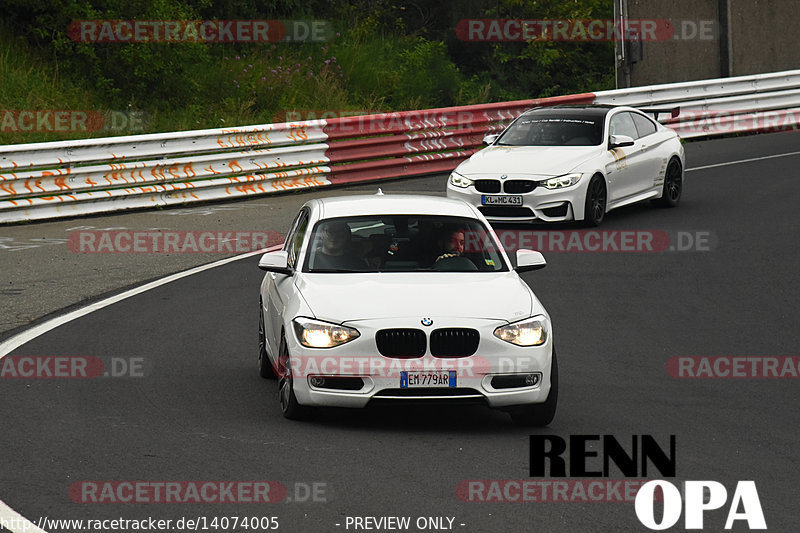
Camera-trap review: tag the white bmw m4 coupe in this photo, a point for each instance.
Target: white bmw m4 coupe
(565, 163)
(401, 298)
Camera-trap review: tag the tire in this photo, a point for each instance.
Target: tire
(596, 198)
(539, 414)
(265, 369)
(286, 398)
(673, 185)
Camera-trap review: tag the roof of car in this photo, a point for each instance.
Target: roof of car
(391, 204)
(593, 110)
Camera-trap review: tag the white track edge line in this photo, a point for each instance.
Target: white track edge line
(742, 161)
(15, 522)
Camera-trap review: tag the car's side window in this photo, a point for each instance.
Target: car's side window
(644, 125)
(622, 124)
(297, 238)
(292, 230)
(291, 239)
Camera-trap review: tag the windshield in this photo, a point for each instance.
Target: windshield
(543, 129)
(402, 243)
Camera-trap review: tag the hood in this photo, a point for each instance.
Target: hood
(348, 297)
(539, 161)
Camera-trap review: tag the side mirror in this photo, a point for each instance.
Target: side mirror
(528, 260)
(618, 141)
(490, 139)
(277, 261)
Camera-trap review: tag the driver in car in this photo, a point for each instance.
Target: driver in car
(336, 251)
(452, 243)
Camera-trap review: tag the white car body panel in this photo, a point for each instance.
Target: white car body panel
(402, 295)
(516, 160)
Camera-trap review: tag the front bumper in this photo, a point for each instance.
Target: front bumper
(546, 205)
(381, 376)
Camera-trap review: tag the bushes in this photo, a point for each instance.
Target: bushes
(427, 75)
(387, 55)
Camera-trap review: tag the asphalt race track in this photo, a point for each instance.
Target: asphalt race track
(202, 413)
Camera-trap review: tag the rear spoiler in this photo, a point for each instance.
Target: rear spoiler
(673, 112)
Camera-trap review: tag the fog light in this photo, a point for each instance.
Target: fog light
(531, 379)
(515, 381)
(317, 381)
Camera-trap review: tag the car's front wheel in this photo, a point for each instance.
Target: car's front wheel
(288, 402)
(265, 369)
(673, 185)
(595, 207)
(539, 414)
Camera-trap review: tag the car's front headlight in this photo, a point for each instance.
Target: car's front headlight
(559, 182)
(318, 334)
(528, 332)
(460, 181)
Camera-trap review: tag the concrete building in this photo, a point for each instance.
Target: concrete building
(682, 40)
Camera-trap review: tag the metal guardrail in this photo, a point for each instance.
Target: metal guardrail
(694, 90)
(743, 104)
(71, 178)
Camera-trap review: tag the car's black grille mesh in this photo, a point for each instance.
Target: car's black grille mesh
(558, 211)
(402, 343)
(454, 342)
(505, 211)
(519, 186)
(489, 186)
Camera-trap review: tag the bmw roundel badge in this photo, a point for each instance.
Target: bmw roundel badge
(427, 321)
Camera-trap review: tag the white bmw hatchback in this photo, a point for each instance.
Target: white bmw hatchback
(400, 298)
(564, 163)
